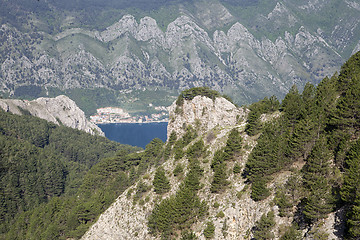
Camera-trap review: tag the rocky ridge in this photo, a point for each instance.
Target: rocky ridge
(59, 110)
(125, 219)
(192, 51)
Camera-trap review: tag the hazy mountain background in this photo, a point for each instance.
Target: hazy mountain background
(130, 54)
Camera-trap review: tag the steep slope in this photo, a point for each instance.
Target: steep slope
(128, 220)
(177, 46)
(59, 110)
(299, 169)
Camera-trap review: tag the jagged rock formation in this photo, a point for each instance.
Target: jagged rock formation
(193, 50)
(59, 110)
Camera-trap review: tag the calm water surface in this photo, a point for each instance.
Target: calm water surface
(135, 134)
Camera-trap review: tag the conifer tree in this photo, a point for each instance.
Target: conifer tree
(209, 231)
(350, 191)
(219, 181)
(233, 143)
(161, 183)
(316, 175)
(292, 106)
(253, 123)
(262, 230)
(302, 138)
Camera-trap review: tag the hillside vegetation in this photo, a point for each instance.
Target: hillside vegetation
(40, 164)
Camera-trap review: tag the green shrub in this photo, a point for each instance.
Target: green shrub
(161, 183)
(178, 170)
(237, 169)
(189, 94)
(209, 231)
(220, 214)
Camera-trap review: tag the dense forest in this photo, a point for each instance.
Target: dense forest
(44, 167)
(318, 128)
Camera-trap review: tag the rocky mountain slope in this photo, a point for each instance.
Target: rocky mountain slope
(247, 56)
(128, 221)
(233, 212)
(59, 110)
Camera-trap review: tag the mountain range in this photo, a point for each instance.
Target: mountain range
(245, 49)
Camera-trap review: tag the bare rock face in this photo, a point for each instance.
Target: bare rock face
(203, 114)
(59, 110)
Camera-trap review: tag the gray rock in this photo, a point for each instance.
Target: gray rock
(59, 110)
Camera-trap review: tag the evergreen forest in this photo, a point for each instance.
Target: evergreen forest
(56, 181)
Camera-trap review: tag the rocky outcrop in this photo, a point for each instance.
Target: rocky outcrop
(59, 110)
(204, 114)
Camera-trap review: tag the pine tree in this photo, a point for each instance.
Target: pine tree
(253, 123)
(293, 106)
(233, 143)
(219, 181)
(350, 191)
(259, 191)
(161, 183)
(302, 138)
(316, 175)
(209, 231)
(263, 227)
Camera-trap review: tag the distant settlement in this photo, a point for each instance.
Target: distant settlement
(119, 115)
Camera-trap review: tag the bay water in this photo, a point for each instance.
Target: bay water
(135, 134)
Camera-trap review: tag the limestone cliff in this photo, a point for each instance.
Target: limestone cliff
(207, 45)
(59, 110)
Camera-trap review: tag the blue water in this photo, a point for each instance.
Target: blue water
(135, 134)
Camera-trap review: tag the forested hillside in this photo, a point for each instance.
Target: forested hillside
(319, 129)
(41, 162)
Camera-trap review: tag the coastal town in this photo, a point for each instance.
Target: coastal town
(119, 115)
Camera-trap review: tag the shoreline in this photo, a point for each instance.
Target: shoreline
(131, 122)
